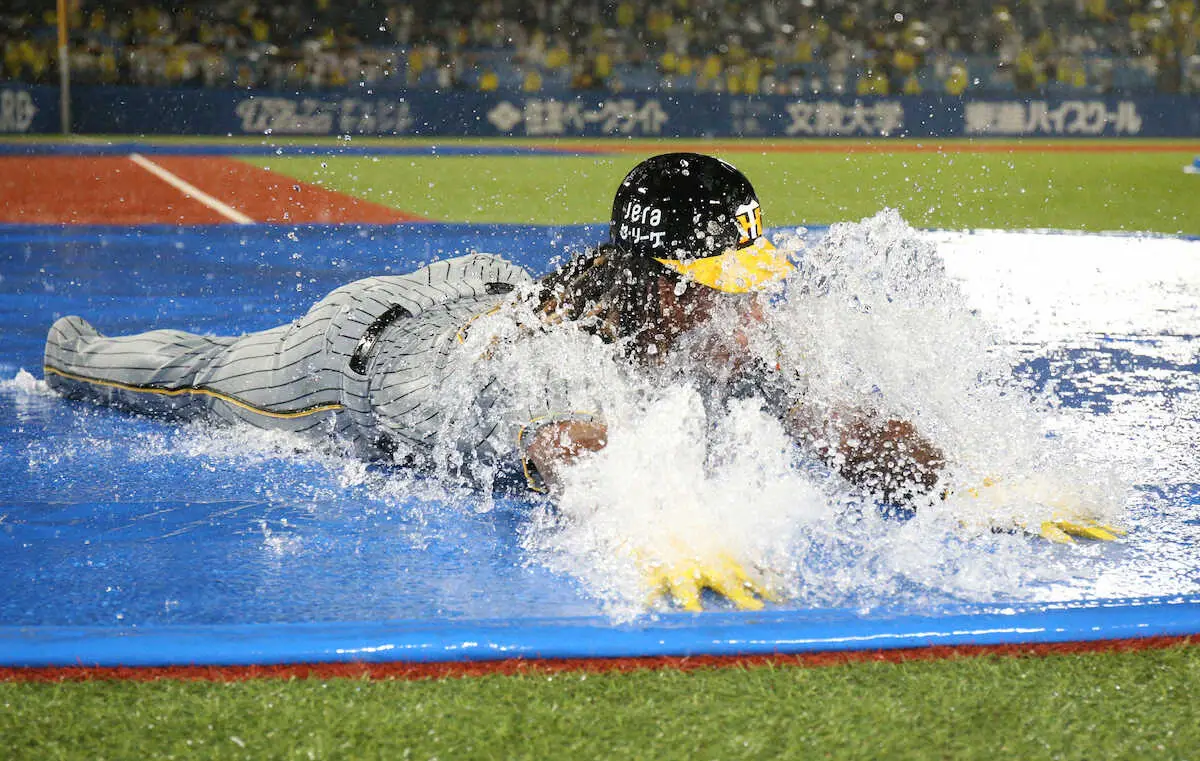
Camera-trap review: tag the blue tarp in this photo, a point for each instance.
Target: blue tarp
(130, 541)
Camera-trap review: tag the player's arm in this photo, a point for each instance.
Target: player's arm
(888, 457)
(557, 444)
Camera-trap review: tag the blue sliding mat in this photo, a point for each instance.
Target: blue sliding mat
(130, 541)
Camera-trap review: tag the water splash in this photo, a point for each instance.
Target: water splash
(876, 323)
(869, 321)
(873, 318)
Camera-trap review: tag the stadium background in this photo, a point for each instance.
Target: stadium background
(682, 68)
(696, 70)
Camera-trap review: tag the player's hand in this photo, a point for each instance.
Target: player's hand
(681, 577)
(1073, 510)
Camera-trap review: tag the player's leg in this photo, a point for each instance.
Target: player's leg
(151, 373)
(278, 378)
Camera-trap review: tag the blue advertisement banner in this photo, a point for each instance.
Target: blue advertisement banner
(28, 110)
(163, 111)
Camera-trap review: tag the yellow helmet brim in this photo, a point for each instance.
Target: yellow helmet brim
(738, 270)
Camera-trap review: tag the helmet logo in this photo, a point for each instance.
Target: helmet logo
(637, 217)
(749, 221)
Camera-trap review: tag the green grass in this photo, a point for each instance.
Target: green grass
(1096, 191)
(1127, 705)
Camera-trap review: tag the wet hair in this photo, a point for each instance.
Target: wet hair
(609, 294)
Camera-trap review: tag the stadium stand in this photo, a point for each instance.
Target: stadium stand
(790, 47)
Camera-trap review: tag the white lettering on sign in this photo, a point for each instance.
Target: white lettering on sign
(550, 116)
(16, 110)
(374, 117)
(308, 116)
(284, 116)
(1072, 117)
(831, 117)
(750, 117)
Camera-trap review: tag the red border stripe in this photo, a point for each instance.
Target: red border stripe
(584, 665)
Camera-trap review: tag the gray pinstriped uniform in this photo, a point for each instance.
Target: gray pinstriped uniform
(366, 362)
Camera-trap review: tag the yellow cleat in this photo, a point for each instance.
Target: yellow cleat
(1066, 523)
(1062, 529)
(685, 579)
(1050, 530)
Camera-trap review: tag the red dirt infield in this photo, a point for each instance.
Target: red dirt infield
(102, 190)
(582, 665)
(116, 191)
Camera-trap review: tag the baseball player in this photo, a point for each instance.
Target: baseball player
(372, 362)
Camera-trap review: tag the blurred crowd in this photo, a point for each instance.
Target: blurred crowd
(792, 47)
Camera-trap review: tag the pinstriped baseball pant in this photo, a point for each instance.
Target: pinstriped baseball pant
(364, 362)
(262, 378)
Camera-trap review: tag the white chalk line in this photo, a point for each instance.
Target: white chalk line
(190, 190)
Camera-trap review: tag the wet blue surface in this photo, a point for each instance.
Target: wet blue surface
(104, 520)
(132, 541)
(1093, 379)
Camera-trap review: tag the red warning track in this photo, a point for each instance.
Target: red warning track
(181, 190)
(585, 665)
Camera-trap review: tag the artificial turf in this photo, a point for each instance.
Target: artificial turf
(1055, 188)
(1088, 706)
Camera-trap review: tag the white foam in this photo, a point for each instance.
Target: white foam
(924, 327)
(1040, 288)
(25, 384)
